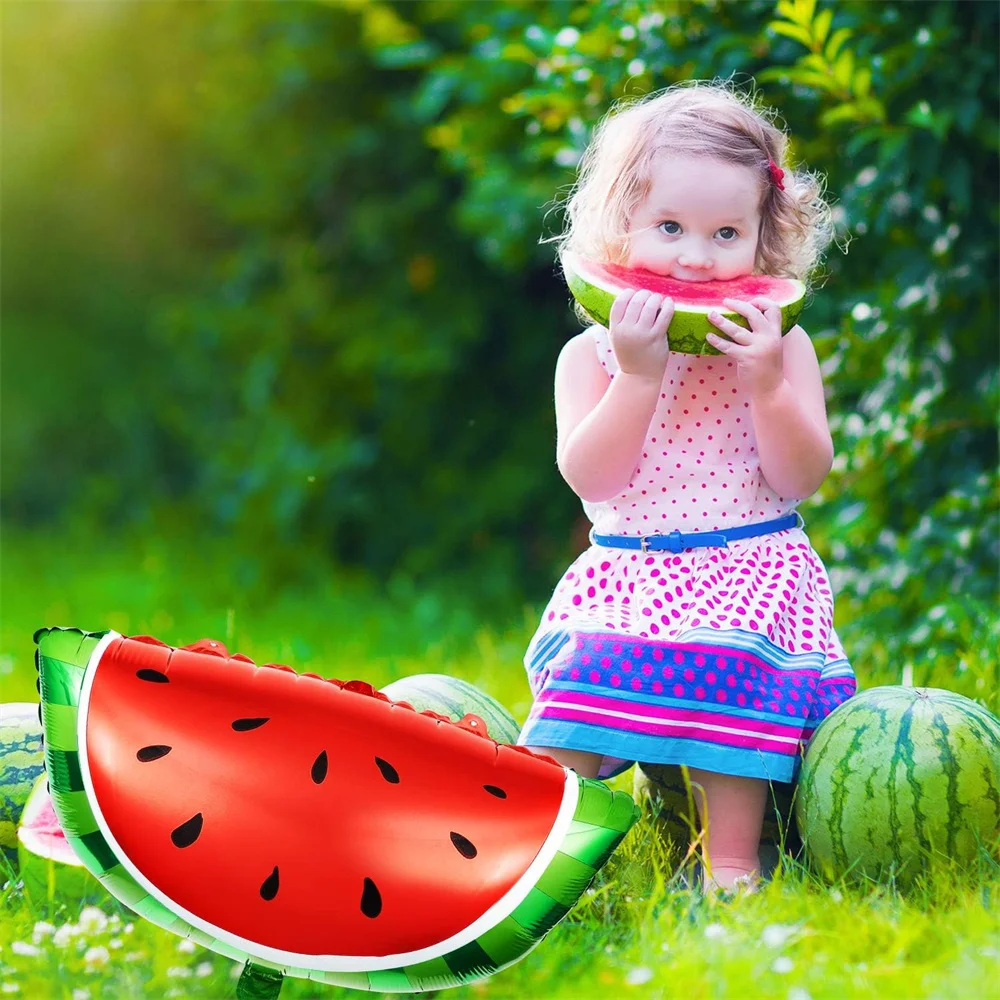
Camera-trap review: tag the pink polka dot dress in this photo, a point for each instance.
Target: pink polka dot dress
(724, 659)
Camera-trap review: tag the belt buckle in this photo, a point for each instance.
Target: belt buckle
(673, 542)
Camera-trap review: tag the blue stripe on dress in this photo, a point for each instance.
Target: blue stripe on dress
(730, 639)
(547, 647)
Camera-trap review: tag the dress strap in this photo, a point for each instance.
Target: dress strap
(605, 353)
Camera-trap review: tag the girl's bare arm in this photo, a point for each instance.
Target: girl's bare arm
(601, 422)
(793, 437)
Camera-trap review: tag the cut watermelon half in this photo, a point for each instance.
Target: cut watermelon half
(596, 286)
(50, 869)
(311, 827)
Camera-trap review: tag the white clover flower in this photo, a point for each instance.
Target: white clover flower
(115, 942)
(716, 932)
(81, 994)
(23, 948)
(836, 895)
(639, 975)
(92, 920)
(135, 956)
(178, 972)
(129, 928)
(775, 935)
(202, 970)
(782, 964)
(186, 945)
(96, 956)
(10, 988)
(797, 993)
(63, 935)
(567, 38)
(42, 929)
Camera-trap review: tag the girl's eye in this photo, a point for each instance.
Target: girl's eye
(670, 228)
(728, 233)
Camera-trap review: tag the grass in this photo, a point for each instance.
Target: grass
(638, 932)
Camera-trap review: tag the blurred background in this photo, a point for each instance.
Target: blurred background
(278, 333)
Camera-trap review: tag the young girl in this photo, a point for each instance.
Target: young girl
(714, 652)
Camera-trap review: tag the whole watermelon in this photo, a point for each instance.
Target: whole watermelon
(897, 777)
(22, 760)
(454, 697)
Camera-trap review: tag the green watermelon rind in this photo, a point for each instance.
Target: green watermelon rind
(862, 828)
(22, 760)
(690, 324)
(600, 820)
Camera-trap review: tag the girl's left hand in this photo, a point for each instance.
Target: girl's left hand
(757, 351)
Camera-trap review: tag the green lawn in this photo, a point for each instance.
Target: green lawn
(638, 933)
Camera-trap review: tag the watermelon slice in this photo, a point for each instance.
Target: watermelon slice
(596, 286)
(50, 869)
(311, 827)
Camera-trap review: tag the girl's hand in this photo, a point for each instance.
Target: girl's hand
(638, 329)
(757, 351)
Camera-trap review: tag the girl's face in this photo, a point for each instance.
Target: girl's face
(699, 221)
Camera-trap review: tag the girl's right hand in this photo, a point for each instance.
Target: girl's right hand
(638, 329)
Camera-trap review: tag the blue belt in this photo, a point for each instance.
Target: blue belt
(677, 541)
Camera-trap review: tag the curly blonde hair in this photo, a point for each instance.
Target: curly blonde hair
(696, 118)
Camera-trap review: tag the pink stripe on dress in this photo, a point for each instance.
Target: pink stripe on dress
(709, 726)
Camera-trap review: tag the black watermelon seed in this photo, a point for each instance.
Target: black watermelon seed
(464, 846)
(155, 752)
(388, 771)
(371, 900)
(245, 725)
(319, 768)
(498, 792)
(187, 833)
(269, 887)
(152, 675)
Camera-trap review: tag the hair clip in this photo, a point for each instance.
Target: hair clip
(776, 175)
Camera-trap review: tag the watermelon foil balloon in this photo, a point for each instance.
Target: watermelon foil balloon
(311, 827)
(595, 287)
(897, 777)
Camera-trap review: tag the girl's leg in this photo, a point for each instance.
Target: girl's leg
(585, 764)
(732, 812)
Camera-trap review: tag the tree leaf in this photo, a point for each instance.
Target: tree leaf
(841, 113)
(843, 69)
(836, 41)
(821, 27)
(804, 11)
(792, 31)
(862, 82)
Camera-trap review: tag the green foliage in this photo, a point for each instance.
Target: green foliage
(361, 360)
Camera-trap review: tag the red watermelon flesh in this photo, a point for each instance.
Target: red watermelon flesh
(42, 830)
(288, 810)
(696, 293)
